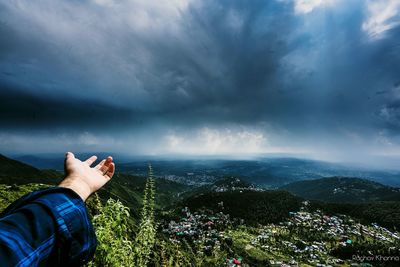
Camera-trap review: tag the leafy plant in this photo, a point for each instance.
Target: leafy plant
(112, 231)
(146, 236)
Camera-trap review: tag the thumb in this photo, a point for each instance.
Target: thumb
(69, 156)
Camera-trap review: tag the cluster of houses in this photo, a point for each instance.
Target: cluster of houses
(234, 262)
(196, 227)
(341, 228)
(191, 179)
(236, 185)
(304, 238)
(309, 237)
(226, 188)
(206, 229)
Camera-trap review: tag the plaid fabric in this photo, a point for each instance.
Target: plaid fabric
(47, 227)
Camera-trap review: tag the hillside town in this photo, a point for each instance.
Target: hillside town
(313, 238)
(235, 184)
(190, 179)
(306, 237)
(200, 225)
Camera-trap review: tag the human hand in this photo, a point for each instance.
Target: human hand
(82, 178)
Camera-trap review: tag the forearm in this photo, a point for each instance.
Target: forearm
(50, 226)
(21, 236)
(82, 189)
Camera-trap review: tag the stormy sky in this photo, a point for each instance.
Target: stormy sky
(201, 77)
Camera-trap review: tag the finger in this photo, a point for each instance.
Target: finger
(101, 163)
(106, 165)
(103, 169)
(110, 172)
(106, 162)
(109, 160)
(90, 160)
(69, 155)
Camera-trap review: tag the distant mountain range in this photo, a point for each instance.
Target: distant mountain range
(343, 189)
(271, 172)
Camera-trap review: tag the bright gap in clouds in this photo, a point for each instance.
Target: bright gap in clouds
(306, 6)
(380, 15)
(209, 141)
(383, 15)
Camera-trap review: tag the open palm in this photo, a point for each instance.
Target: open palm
(83, 178)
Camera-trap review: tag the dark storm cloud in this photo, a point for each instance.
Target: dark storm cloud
(20, 110)
(294, 72)
(223, 61)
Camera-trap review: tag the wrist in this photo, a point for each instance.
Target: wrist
(82, 189)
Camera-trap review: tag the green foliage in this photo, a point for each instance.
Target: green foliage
(15, 172)
(146, 237)
(253, 207)
(112, 231)
(242, 237)
(113, 228)
(343, 190)
(384, 213)
(10, 193)
(170, 253)
(129, 190)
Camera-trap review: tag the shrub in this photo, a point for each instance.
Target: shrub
(112, 230)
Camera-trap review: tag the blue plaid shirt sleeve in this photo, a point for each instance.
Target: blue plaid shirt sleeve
(47, 227)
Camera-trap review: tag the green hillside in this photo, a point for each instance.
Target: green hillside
(129, 190)
(343, 190)
(253, 207)
(15, 172)
(18, 178)
(385, 213)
